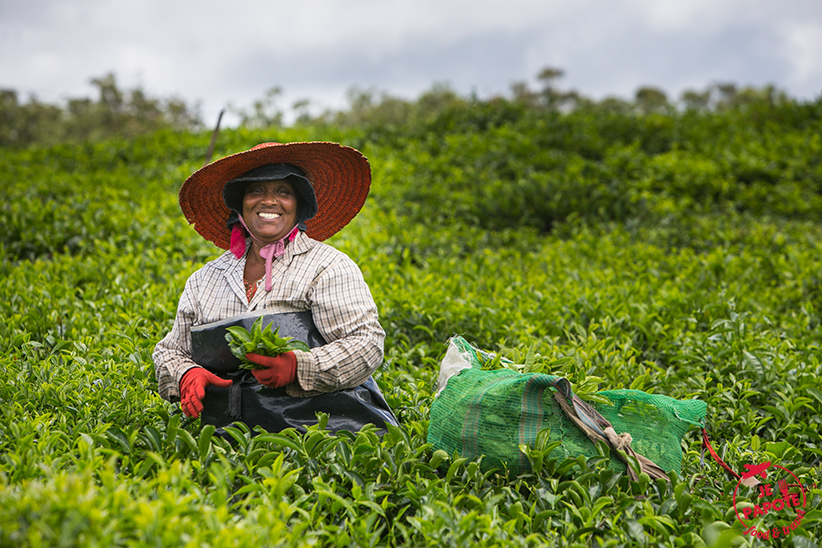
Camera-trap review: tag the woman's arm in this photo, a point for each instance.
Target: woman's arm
(172, 355)
(346, 315)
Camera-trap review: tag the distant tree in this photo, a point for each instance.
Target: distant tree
(651, 100)
(370, 107)
(264, 112)
(551, 97)
(727, 95)
(111, 98)
(115, 113)
(548, 75)
(695, 100)
(441, 97)
(379, 110)
(732, 97)
(521, 93)
(24, 123)
(615, 105)
(302, 111)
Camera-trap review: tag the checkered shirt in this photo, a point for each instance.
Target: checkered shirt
(310, 276)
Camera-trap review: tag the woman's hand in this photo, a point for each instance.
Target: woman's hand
(192, 389)
(279, 370)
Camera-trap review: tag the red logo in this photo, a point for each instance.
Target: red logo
(785, 501)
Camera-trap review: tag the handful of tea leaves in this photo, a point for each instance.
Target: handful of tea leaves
(260, 340)
(585, 386)
(532, 362)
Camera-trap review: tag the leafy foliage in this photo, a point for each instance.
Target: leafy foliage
(115, 113)
(262, 341)
(676, 253)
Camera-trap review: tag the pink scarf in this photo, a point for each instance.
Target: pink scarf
(268, 252)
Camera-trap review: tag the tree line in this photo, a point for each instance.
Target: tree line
(123, 113)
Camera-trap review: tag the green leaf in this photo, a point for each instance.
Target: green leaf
(204, 443)
(636, 530)
(438, 457)
(237, 332)
(296, 345)
(755, 442)
(560, 363)
(279, 439)
(530, 365)
(815, 392)
(639, 382)
(256, 328)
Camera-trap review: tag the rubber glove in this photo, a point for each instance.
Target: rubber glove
(279, 370)
(192, 389)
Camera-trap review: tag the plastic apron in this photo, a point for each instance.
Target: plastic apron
(248, 401)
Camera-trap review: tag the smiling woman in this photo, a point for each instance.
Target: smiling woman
(269, 215)
(267, 203)
(269, 207)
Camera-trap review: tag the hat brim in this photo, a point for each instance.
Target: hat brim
(340, 175)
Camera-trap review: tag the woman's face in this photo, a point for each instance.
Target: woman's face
(270, 209)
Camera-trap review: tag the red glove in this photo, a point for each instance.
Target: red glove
(279, 370)
(192, 389)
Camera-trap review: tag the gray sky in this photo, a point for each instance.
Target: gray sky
(219, 53)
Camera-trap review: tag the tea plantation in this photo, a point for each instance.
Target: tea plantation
(676, 253)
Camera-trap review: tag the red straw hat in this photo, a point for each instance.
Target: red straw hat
(340, 175)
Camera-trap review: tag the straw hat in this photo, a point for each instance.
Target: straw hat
(340, 176)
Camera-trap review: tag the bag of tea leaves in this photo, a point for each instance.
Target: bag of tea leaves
(477, 411)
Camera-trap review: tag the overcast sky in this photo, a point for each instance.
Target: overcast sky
(220, 53)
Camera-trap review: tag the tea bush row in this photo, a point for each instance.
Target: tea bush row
(540, 169)
(717, 305)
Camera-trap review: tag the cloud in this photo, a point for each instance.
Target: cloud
(221, 53)
(802, 45)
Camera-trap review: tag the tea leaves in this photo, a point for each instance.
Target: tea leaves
(262, 341)
(675, 254)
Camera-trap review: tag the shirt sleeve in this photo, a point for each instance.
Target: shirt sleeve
(346, 315)
(172, 355)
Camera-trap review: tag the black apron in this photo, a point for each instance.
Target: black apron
(247, 401)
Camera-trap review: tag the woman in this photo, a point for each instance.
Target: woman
(270, 207)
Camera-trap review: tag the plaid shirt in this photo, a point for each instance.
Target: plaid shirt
(310, 276)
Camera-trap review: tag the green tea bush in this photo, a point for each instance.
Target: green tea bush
(678, 255)
(539, 169)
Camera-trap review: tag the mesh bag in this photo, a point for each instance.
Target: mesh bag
(493, 412)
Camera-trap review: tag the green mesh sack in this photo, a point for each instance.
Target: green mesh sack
(492, 412)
